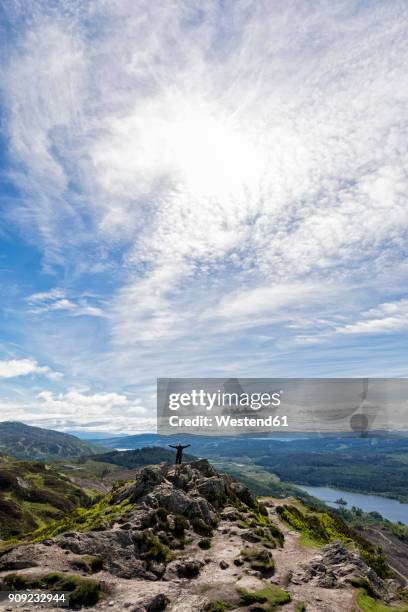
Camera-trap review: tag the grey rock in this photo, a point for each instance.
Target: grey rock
(186, 568)
(157, 603)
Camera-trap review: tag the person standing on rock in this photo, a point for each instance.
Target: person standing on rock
(179, 451)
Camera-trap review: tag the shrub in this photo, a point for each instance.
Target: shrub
(151, 548)
(85, 594)
(202, 528)
(180, 525)
(205, 543)
(378, 563)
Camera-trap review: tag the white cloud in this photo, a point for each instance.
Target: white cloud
(14, 368)
(56, 300)
(110, 412)
(389, 317)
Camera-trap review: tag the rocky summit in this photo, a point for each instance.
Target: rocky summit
(187, 538)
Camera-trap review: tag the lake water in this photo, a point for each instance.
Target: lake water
(390, 509)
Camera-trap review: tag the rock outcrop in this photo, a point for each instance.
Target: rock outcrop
(338, 567)
(165, 503)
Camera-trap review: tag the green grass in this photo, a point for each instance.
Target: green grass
(316, 527)
(271, 597)
(101, 515)
(369, 604)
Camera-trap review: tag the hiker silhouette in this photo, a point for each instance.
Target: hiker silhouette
(179, 451)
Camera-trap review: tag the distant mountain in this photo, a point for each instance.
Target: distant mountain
(26, 442)
(33, 494)
(135, 441)
(139, 457)
(92, 435)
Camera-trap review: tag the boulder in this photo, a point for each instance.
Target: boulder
(214, 490)
(185, 568)
(157, 603)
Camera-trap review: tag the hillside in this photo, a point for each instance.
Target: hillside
(26, 442)
(191, 539)
(33, 494)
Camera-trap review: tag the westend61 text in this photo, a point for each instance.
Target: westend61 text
(228, 421)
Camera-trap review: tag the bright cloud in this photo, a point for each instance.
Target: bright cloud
(13, 368)
(110, 412)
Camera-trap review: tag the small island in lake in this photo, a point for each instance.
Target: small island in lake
(341, 501)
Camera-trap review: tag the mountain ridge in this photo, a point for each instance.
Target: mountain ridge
(35, 443)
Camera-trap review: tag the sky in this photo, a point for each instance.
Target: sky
(197, 189)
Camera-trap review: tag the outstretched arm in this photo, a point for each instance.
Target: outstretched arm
(171, 446)
(186, 445)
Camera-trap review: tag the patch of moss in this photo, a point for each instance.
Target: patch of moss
(270, 597)
(300, 607)
(89, 563)
(83, 591)
(259, 559)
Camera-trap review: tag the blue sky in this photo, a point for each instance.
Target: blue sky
(197, 189)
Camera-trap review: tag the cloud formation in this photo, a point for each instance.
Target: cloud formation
(13, 368)
(56, 299)
(231, 177)
(76, 410)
